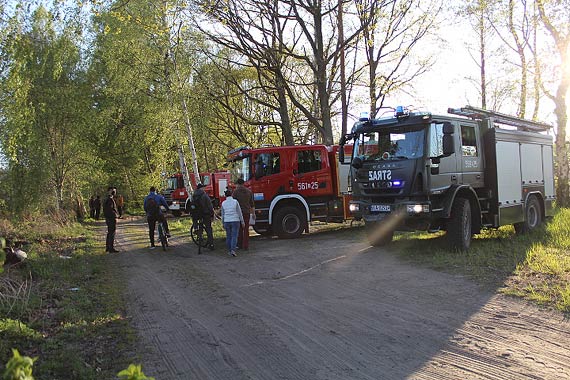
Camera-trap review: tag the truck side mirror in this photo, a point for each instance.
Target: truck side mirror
(357, 162)
(341, 143)
(448, 142)
(448, 145)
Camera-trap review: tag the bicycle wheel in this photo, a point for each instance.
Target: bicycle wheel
(197, 234)
(162, 237)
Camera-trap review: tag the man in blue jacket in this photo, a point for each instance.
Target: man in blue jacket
(152, 203)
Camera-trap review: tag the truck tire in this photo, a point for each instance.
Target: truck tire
(289, 222)
(263, 229)
(376, 236)
(532, 216)
(459, 225)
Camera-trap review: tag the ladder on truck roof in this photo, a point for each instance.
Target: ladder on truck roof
(501, 118)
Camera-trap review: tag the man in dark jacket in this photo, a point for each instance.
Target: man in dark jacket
(154, 213)
(204, 203)
(244, 196)
(97, 207)
(92, 207)
(110, 212)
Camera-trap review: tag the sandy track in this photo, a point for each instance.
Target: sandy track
(326, 306)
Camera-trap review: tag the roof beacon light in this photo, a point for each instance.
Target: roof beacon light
(401, 111)
(364, 116)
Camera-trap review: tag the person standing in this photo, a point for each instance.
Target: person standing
(110, 212)
(204, 204)
(92, 207)
(97, 206)
(152, 203)
(244, 196)
(232, 218)
(120, 205)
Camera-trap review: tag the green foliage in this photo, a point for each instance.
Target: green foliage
(75, 309)
(45, 108)
(19, 367)
(133, 372)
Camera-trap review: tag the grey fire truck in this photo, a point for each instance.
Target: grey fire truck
(459, 173)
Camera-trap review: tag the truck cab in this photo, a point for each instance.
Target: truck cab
(291, 185)
(176, 193)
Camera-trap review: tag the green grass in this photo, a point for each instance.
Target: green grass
(71, 314)
(535, 266)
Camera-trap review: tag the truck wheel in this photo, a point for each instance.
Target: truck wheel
(459, 226)
(289, 222)
(377, 235)
(177, 213)
(262, 229)
(532, 216)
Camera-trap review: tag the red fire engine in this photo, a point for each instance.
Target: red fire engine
(293, 185)
(176, 192)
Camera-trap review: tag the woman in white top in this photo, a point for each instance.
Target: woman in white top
(231, 219)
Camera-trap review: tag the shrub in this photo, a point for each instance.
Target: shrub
(19, 367)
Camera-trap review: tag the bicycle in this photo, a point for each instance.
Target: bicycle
(197, 231)
(162, 235)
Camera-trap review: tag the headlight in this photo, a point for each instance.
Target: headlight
(353, 207)
(416, 209)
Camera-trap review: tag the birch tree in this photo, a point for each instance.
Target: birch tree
(45, 107)
(555, 17)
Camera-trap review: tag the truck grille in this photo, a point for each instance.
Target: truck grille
(167, 196)
(382, 191)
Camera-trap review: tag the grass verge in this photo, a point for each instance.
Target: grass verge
(535, 266)
(68, 310)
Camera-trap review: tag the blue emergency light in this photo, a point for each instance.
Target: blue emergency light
(400, 111)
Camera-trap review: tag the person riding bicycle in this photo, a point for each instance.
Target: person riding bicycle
(205, 211)
(152, 203)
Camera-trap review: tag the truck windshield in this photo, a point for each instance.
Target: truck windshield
(240, 168)
(390, 144)
(171, 183)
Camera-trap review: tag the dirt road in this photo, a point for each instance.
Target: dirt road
(327, 306)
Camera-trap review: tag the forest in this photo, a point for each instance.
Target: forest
(96, 93)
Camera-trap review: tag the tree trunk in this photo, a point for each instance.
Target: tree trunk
(562, 161)
(343, 95)
(321, 76)
(284, 111)
(482, 46)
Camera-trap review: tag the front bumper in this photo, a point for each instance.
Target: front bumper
(414, 211)
(175, 206)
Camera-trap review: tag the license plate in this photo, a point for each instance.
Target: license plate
(380, 208)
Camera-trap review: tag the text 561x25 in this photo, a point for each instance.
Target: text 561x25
(308, 185)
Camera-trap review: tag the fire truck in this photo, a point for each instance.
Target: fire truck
(462, 173)
(292, 186)
(176, 193)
